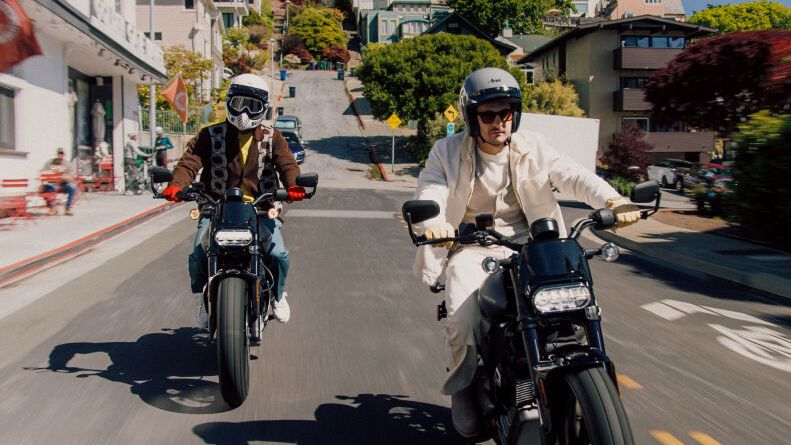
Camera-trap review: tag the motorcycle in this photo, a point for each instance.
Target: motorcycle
(242, 282)
(136, 177)
(543, 375)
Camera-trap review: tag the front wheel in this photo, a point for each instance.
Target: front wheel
(592, 412)
(232, 347)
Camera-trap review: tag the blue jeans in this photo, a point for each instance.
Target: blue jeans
(198, 261)
(67, 188)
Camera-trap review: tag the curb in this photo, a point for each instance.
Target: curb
(29, 266)
(351, 102)
(756, 280)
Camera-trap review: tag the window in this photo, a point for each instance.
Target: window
(653, 1)
(633, 82)
(157, 35)
(189, 4)
(6, 118)
(227, 20)
(118, 7)
(676, 42)
(641, 122)
(635, 41)
(384, 28)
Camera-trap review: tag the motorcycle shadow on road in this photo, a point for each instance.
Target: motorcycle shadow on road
(380, 419)
(167, 370)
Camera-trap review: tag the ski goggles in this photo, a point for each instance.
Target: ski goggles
(245, 103)
(487, 117)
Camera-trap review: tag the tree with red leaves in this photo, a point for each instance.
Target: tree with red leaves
(626, 151)
(717, 83)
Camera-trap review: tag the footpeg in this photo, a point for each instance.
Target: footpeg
(442, 311)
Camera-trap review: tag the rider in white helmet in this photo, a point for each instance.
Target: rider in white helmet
(246, 152)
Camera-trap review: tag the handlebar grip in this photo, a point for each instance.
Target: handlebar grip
(281, 195)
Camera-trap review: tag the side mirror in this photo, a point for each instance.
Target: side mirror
(419, 210)
(160, 174)
(308, 179)
(645, 192)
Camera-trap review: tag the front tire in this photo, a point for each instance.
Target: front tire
(593, 413)
(232, 348)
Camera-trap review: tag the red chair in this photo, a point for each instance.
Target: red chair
(53, 198)
(105, 179)
(13, 200)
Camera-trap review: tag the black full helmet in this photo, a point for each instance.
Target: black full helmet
(484, 85)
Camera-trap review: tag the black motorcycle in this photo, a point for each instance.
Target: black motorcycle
(242, 278)
(543, 375)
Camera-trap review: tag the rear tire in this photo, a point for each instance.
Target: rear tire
(593, 413)
(232, 348)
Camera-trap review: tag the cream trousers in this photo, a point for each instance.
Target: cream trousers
(463, 276)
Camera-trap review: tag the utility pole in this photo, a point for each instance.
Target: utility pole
(272, 63)
(283, 33)
(152, 102)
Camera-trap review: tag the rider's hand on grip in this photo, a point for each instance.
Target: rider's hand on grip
(296, 193)
(626, 213)
(441, 230)
(171, 193)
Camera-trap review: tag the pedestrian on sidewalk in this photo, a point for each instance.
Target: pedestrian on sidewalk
(65, 173)
(162, 145)
(131, 153)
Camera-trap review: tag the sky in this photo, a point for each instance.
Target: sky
(690, 6)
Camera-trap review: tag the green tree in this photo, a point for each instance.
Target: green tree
(523, 16)
(754, 16)
(761, 168)
(553, 97)
(417, 78)
(180, 61)
(319, 28)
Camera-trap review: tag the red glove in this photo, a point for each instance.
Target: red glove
(170, 193)
(296, 193)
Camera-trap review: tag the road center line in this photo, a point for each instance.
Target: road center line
(343, 214)
(665, 438)
(703, 438)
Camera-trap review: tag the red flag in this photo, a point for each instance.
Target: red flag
(17, 40)
(176, 94)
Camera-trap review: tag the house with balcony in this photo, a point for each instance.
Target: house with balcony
(395, 20)
(81, 93)
(609, 62)
(195, 25)
(232, 11)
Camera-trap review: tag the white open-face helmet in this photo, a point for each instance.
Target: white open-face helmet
(247, 101)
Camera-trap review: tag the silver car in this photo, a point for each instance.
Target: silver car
(668, 172)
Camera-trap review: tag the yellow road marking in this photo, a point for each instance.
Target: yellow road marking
(703, 438)
(628, 382)
(665, 438)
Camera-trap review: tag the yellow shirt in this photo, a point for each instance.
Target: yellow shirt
(245, 140)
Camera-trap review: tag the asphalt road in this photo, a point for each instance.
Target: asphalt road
(102, 349)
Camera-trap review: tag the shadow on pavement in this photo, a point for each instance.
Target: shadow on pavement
(380, 419)
(167, 370)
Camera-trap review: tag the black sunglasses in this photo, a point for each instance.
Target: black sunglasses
(487, 117)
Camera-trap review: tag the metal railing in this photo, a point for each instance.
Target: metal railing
(171, 122)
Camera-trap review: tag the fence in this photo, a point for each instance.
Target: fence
(171, 122)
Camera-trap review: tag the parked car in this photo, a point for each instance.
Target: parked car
(289, 123)
(712, 174)
(668, 172)
(295, 144)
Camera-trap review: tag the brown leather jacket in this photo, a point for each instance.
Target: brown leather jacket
(197, 156)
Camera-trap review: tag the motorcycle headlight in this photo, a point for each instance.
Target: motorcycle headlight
(227, 238)
(564, 298)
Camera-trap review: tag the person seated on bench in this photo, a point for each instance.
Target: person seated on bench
(59, 165)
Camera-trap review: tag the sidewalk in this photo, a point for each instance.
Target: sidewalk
(405, 169)
(31, 246)
(729, 259)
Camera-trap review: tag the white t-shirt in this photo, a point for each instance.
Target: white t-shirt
(493, 194)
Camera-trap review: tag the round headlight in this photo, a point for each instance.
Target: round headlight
(490, 265)
(610, 252)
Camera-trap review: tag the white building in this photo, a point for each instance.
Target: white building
(93, 52)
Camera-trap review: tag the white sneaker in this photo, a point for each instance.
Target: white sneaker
(281, 310)
(201, 318)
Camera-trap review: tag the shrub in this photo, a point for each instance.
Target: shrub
(259, 35)
(621, 185)
(292, 42)
(626, 153)
(431, 132)
(760, 171)
(304, 55)
(335, 54)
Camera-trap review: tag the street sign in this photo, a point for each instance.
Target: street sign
(450, 113)
(451, 128)
(393, 121)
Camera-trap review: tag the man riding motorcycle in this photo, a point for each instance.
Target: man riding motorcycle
(491, 168)
(244, 151)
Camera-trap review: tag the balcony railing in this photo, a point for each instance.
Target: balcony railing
(682, 141)
(644, 58)
(630, 99)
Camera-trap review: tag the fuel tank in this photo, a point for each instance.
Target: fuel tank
(493, 297)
